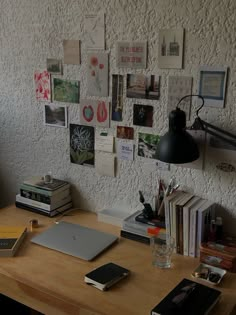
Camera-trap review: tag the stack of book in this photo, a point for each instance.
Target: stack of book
(139, 230)
(49, 199)
(188, 218)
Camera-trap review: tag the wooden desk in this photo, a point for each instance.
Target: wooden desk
(53, 283)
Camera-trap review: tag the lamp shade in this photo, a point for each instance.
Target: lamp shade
(177, 146)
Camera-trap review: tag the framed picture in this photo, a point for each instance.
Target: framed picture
(54, 66)
(212, 85)
(66, 90)
(55, 115)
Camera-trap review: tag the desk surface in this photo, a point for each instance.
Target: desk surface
(53, 283)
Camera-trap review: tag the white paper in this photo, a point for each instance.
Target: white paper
(125, 150)
(105, 164)
(95, 31)
(131, 54)
(104, 143)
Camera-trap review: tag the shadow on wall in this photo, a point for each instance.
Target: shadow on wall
(4, 194)
(229, 221)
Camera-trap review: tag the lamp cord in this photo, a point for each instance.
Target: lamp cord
(191, 95)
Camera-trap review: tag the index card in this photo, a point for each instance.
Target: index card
(105, 164)
(125, 150)
(104, 143)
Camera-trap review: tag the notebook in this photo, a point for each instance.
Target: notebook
(76, 240)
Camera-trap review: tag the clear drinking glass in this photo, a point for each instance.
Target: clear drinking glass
(162, 247)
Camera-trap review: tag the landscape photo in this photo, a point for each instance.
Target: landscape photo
(66, 90)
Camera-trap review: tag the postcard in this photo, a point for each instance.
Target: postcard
(94, 113)
(42, 85)
(125, 150)
(104, 143)
(105, 164)
(95, 31)
(178, 87)
(97, 74)
(82, 145)
(143, 115)
(143, 86)
(170, 50)
(117, 97)
(212, 86)
(71, 52)
(66, 90)
(55, 115)
(147, 145)
(124, 132)
(131, 54)
(54, 66)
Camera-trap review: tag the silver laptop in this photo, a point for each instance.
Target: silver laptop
(75, 240)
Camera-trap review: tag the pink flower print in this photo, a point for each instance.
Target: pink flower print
(101, 66)
(93, 73)
(42, 85)
(94, 61)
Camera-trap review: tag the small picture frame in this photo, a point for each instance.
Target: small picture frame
(54, 66)
(55, 115)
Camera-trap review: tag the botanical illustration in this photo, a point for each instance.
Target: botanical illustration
(117, 97)
(82, 144)
(143, 115)
(143, 86)
(95, 31)
(55, 115)
(54, 66)
(97, 74)
(66, 90)
(147, 145)
(94, 113)
(42, 85)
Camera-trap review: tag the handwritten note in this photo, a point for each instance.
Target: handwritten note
(104, 143)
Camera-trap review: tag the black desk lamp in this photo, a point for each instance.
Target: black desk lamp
(177, 146)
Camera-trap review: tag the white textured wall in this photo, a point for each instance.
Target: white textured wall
(33, 30)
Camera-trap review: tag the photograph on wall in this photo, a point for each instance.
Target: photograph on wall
(42, 85)
(97, 74)
(66, 90)
(143, 115)
(178, 87)
(131, 54)
(147, 145)
(71, 50)
(212, 86)
(94, 113)
(94, 31)
(82, 145)
(117, 97)
(170, 50)
(124, 132)
(142, 86)
(55, 115)
(54, 66)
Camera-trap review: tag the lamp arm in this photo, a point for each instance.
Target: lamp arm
(214, 131)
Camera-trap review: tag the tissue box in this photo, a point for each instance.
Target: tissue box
(219, 255)
(112, 216)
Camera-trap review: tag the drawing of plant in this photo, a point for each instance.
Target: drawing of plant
(95, 69)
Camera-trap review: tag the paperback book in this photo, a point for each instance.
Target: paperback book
(11, 238)
(40, 183)
(40, 197)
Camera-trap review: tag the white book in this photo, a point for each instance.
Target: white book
(207, 207)
(186, 217)
(193, 227)
(42, 205)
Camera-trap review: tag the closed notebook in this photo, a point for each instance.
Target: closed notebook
(106, 276)
(11, 238)
(188, 298)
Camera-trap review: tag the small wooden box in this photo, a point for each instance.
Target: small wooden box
(219, 255)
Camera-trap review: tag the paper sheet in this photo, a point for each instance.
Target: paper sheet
(104, 143)
(105, 164)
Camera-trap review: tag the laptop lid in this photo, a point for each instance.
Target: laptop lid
(74, 239)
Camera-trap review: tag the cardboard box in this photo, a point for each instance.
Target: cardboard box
(219, 255)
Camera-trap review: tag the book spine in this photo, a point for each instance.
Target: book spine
(44, 212)
(42, 205)
(186, 230)
(44, 198)
(43, 191)
(177, 216)
(180, 231)
(135, 237)
(193, 232)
